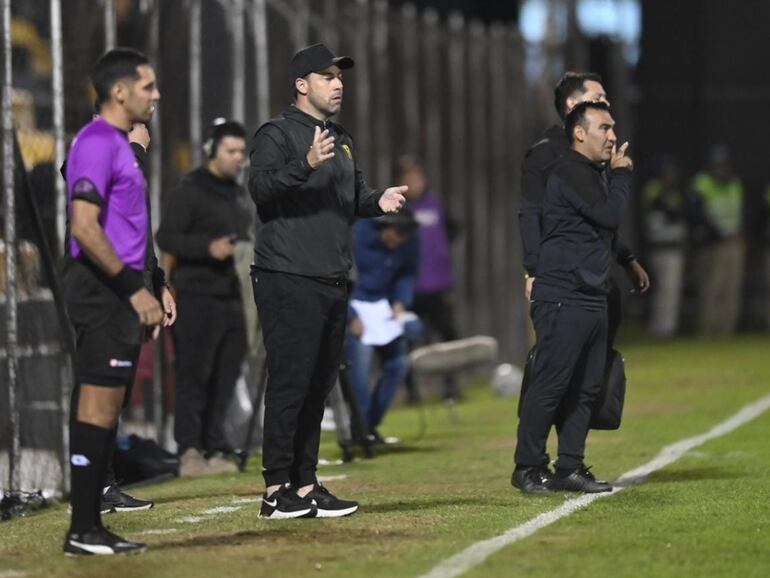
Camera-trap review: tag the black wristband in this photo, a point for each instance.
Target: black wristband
(127, 282)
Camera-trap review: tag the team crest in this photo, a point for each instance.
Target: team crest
(348, 151)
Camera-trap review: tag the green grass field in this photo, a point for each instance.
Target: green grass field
(706, 515)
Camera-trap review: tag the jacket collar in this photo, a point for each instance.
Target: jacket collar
(294, 113)
(573, 155)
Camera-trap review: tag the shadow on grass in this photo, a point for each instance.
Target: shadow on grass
(421, 504)
(403, 448)
(212, 541)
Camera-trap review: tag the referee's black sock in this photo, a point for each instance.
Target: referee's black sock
(112, 442)
(87, 464)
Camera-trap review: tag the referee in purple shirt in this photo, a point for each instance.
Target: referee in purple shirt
(110, 309)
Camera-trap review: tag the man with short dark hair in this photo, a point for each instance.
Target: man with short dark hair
(308, 189)
(572, 89)
(107, 301)
(581, 215)
(202, 219)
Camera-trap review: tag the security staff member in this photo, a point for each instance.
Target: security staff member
(308, 189)
(201, 221)
(572, 89)
(569, 309)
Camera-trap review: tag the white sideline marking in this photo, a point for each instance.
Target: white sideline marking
(475, 554)
(324, 479)
(246, 500)
(155, 533)
(220, 510)
(12, 574)
(189, 520)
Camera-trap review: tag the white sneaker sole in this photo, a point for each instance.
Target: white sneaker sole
(96, 550)
(336, 513)
(278, 515)
(135, 509)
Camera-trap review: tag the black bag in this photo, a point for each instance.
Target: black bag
(608, 408)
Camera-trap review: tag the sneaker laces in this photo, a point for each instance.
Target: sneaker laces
(586, 471)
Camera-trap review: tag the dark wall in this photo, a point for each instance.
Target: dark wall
(704, 80)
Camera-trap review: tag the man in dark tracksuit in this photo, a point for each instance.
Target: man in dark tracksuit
(308, 190)
(201, 221)
(580, 220)
(540, 159)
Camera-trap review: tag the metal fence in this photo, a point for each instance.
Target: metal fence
(450, 91)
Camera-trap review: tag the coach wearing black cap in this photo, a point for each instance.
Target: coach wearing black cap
(308, 189)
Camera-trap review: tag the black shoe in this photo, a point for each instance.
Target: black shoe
(579, 480)
(329, 505)
(383, 441)
(114, 500)
(285, 503)
(99, 542)
(533, 479)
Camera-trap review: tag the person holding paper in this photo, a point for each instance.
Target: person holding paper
(387, 256)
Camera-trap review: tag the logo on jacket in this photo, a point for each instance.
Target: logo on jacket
(348, 151)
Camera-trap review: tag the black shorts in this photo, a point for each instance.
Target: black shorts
(107, 329)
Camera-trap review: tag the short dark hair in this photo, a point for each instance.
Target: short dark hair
(113, 66)
(403, 222)
(569, 84)
(219, 129)
(577, 116)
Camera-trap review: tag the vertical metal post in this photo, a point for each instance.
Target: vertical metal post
(262, 73)
(11, 304)
(236, 11)
(196, 100)
(58, 116)
(110, 25)
(156, 180)
(61, 205)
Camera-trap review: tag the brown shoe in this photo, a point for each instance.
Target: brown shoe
(218, 465)
(192, 464)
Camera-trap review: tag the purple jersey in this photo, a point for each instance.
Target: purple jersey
(102, 168)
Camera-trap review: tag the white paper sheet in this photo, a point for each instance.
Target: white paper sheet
(380, 328)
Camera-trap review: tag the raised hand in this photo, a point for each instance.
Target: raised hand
(140, 135)
(393, 199)
(322, 148)
(619, 160)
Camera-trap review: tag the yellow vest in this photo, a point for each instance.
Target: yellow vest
(723, 202)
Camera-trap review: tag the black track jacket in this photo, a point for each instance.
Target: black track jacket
(538, 163)
(305, 215)
(581, 215)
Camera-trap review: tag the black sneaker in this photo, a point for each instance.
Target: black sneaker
(532, 479)
(579, 480)
(114, 500)
(329, 505)
(285, 503)
(383, 441)
(99, 542)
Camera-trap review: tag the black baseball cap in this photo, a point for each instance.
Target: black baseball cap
(315, 58)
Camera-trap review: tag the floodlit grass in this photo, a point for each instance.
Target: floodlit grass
(706, 515)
